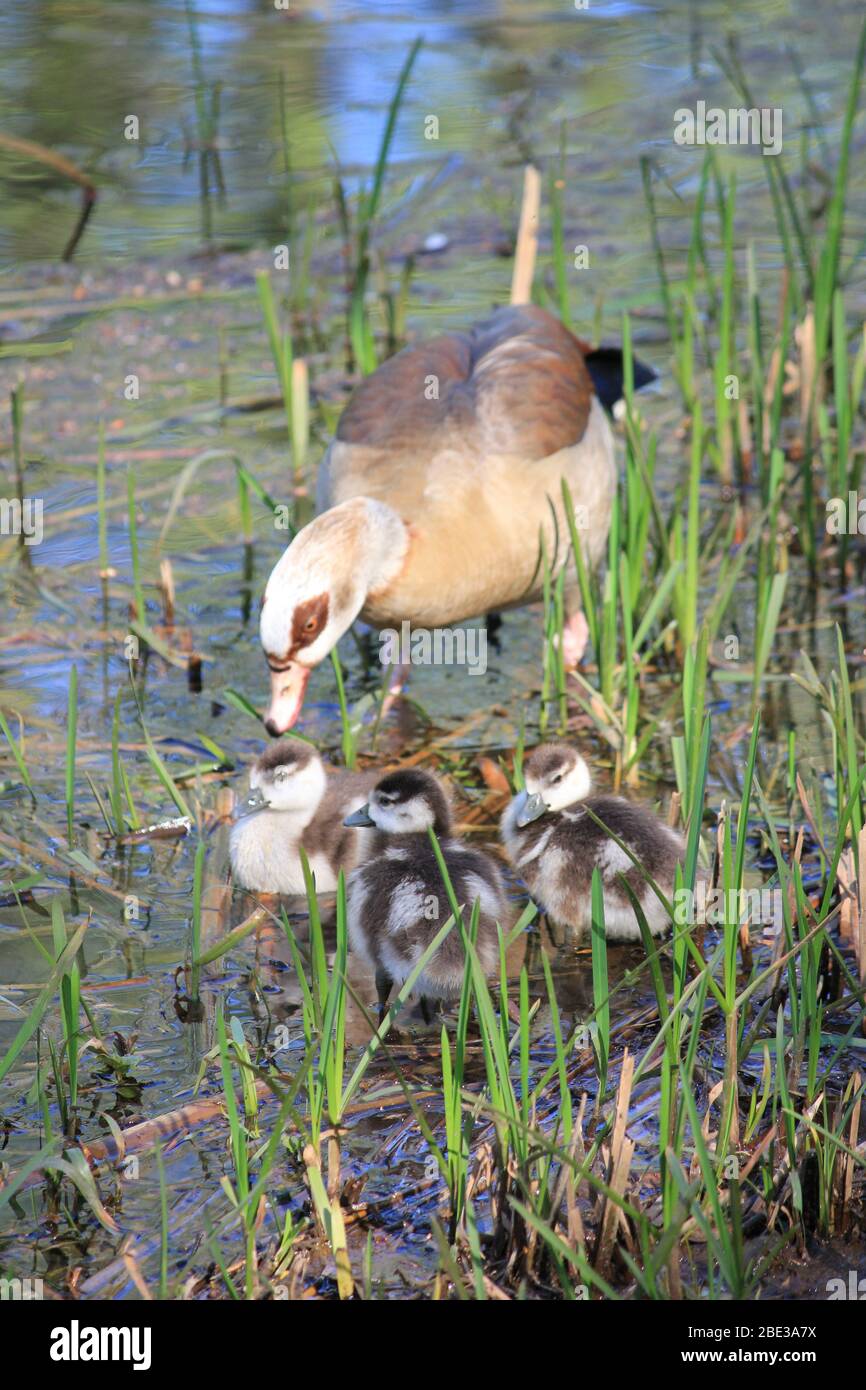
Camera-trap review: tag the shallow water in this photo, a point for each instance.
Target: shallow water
(162, 286)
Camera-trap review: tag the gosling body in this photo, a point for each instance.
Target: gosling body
(397, 900)
(296, 803)
(554, 844)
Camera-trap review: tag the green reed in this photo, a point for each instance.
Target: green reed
(70, 997)
(557, 233)
(291, 375)
(102, 519)
(553, 688)
(600, 987)
(120, 789)
(159, 767)
(348, 728)
(238, 1192)
(62, 965)
(71, 740)
(163, 1223)
(140, 609)
(844, 722)
(17, 751)
(195, 945)
(360, 333)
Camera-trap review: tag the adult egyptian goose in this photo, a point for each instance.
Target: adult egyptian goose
(396, 901)
(443, 479)
(554, 845)
(295, 803)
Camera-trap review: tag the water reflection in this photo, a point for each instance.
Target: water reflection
(499, 77)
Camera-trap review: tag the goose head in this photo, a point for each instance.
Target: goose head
(406, 802)
(316, 591)
(289, 776)
(554, 776)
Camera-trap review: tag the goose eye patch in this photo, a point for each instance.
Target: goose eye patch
(308, 620)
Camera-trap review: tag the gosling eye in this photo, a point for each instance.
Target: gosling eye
(557, 778)
(311, 624)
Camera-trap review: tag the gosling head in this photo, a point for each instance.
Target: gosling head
(406, 803)
(554, 776)
(289, 776)
(316, 591)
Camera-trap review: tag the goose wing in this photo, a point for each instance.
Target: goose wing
(515, 384)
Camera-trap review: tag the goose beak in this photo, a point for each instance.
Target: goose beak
(360, 817)
(287, 697)
(256, 801)
(532, 807)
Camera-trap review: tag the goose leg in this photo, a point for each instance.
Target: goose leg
(514, 1011)
(493, 622)
(575, 635)
(384, 985)
(557, 933)
(396, 686)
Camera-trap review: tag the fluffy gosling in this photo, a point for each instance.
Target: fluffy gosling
(295, 803)
(397, 901)
(554, 845)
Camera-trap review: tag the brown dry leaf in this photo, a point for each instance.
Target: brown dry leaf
(849, 1161)
(805, 338)
(492, 775)
(133, 1269)
(849, 908)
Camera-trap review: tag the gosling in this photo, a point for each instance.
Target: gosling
(554, 845)
(294, 804)
(396, 900)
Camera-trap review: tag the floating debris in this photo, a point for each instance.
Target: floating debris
(174, 829)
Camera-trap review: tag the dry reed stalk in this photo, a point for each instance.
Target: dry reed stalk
(621, 1151)
(42, 155)
(527, 238)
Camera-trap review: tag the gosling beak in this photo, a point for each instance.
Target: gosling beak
(532, 807)
(256, 801)
(360, 817)
(287, 697)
